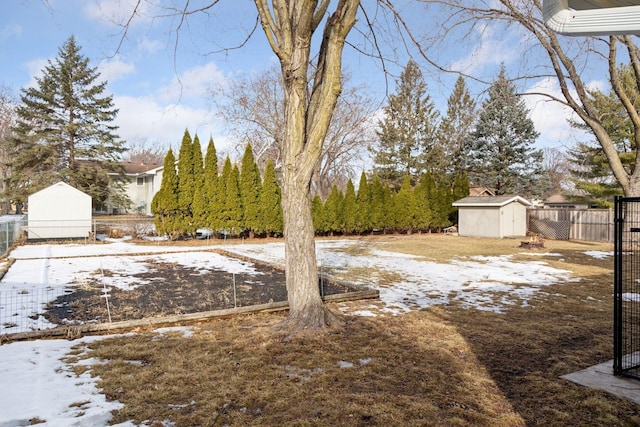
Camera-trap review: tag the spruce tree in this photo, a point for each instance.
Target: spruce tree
(457, 126)
(250, 186)
(408, 133)
(501, 153)
(270, 202)
(350, 209)
(164, 205)
(64, 132)
(363, 205)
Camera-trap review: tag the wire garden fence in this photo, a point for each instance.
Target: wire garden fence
(30, 310)
(10, 228)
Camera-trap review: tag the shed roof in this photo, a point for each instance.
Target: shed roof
(58, 188)
(491, 201)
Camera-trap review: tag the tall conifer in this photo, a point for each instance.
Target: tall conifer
(270, 202)
(350, 209)
(250, 186)
(164, 205)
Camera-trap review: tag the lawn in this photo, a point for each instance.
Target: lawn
(467, 332)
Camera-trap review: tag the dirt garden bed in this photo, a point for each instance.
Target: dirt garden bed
(168, 289)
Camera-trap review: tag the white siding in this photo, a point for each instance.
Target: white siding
(58, 212)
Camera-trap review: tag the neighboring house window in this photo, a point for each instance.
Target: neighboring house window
(140, 180)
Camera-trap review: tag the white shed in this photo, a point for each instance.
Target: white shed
(492, 216)
(59, 212)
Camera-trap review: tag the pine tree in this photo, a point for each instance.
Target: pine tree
(408, 133)
(64, 132)
(501, 153)
(457, 126)
(350, 209)
(250, 186)
(363, 205)
(270, 202)
(164, 205)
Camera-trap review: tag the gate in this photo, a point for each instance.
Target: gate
(626, 322)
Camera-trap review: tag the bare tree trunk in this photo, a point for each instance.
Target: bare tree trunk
(308, 107)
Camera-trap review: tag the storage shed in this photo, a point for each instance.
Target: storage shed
(59, 212)
(492, 216)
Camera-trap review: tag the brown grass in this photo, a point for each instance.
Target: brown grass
(443, 366)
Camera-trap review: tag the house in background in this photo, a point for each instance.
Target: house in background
(558, 201)
(492, 216)
(143, 183)
(59, 211)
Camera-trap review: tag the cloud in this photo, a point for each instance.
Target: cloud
(145, 117)
(194, 82)
(10, 31)
(115, 69)
(492, 49)
(118, 12)
(551, 118)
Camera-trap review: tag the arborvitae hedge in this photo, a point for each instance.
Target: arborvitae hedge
(239, 202)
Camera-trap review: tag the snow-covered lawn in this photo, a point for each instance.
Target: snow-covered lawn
(38, 386)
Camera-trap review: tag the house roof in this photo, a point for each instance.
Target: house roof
(57, 188)
(592, 17)
(137, 168)
(480, 191)
(491, 201)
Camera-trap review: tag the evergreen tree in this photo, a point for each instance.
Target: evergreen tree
(164, 205)
(199, 208)
(457, 126)
(501, 154)
(231, 214)
(270, 202)
(317, 212)
(363, 205)
(64, 132)
(408, 133)
(460, 190)
(591, 172)
(186, 184)
(211, 184)
(378, 214)
(350, 209)
(334, 210)
(424, 192)
(250, 186)
(406, 208)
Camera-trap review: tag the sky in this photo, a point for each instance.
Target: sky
(44, 384)
(161, 78)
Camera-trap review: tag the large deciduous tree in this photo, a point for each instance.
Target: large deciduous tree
(309, 101)
(64, 132)
(567, 59)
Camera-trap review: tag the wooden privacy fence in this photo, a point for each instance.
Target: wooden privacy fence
(575, 224)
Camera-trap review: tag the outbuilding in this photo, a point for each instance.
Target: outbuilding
(59, 212)
(492, 216)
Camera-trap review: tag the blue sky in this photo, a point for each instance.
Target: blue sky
(161, 87)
